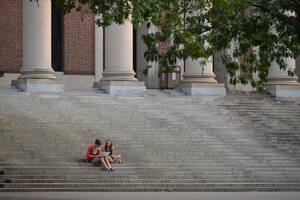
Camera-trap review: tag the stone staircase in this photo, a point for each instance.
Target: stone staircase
(168, 141)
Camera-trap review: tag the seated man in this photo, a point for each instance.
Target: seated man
(94, 155)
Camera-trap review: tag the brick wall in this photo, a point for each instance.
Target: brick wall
(78, 43)
(10, 35)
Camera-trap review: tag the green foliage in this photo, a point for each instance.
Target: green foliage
(262, 31)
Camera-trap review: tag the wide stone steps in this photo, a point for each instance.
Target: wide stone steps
(238, 151)
(154, 185)
(135, 168)
(265, 174)
(148, 187)
(131, 180)
(234, 143)
(151, 178)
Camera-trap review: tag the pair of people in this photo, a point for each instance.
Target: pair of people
(95, 155)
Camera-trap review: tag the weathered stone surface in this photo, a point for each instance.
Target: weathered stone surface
(168, 141)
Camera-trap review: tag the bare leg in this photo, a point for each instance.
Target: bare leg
(117, 158)
(107, 162)
(103, 162)
(110, 159)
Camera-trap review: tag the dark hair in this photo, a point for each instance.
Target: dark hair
(97, 141)
(106, 147)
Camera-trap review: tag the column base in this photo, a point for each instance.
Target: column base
(40, 85)
(110, 75)
(121, 87)
(285, 91)
(14, 82)
(199, 78)
(203, 89)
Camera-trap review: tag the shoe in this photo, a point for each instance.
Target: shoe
(120, 161)
(111, 169)
(106, 169)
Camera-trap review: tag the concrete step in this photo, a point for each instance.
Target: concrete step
(119, 177)
(153, 180)
(149, 187)
(158, 189)
(204, 163)
(149, 168)
(132, 185)
(236, 143)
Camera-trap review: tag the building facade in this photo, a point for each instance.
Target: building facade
(40, 48)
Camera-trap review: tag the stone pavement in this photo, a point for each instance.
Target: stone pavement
(152, 195)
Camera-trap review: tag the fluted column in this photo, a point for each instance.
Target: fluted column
(198, 79)
(118, 76)
(279, 84)
(36, 71)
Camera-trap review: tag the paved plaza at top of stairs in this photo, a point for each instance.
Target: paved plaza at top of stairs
(168, 142)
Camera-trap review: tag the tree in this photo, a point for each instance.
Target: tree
(263, 31)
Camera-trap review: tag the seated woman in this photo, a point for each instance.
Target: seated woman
(112, 157)
(94, 155)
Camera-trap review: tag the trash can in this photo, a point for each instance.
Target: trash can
(169, 78)
(2, 73)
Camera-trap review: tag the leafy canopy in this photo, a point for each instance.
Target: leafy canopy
(261, 31)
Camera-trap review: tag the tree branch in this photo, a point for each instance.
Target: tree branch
(296, 2)
(296, 6)
(291, 20)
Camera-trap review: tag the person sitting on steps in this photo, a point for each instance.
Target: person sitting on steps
(109, 147)
(94, 155)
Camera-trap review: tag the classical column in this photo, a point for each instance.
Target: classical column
(152, 78)
(118, 76)
(279, 84)
(298, 67)
(198, 79)
(195, 71)
(36, 72)
(98, 54)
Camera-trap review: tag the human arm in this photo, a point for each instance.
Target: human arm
(113, 150)
(100, 151)
(90, 155)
